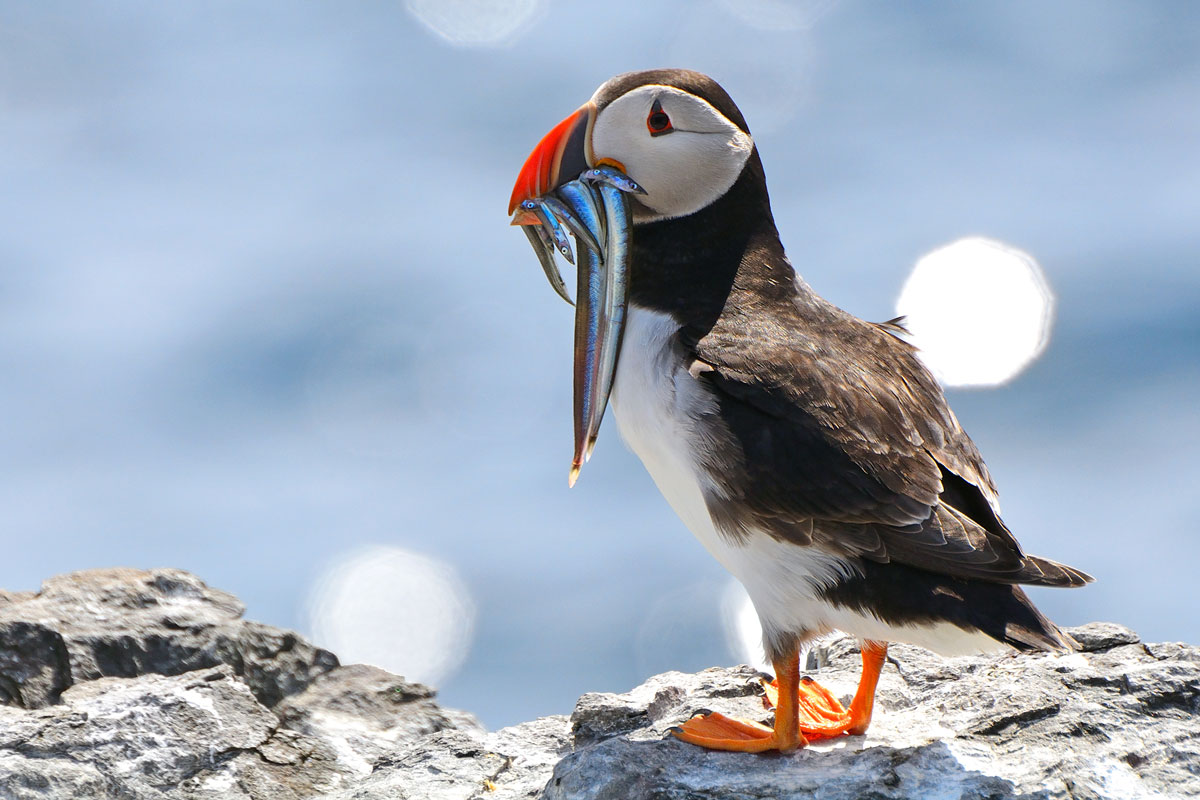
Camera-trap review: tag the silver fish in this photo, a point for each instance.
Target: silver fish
(603, 283)
(545, 252)
(590, 335)
(578, 214)
(596, 210)
(613, 177)
(569, 216)
(552, 226)
(616, 287)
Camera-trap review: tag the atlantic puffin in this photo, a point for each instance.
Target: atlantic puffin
(809, 451)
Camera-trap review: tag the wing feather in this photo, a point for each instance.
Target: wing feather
(846, 441)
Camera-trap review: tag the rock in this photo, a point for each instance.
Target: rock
(1118, 720)
(136, 685)
(201, 734)
(1103, 636)
(511, 764)
(362, 712)
(601, 716)
(126, 622)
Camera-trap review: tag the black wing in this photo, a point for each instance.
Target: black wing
(840, 437)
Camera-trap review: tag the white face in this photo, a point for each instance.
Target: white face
(683, 169)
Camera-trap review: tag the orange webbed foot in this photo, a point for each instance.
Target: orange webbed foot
(804, 710)
(821, 715)
(716, 731)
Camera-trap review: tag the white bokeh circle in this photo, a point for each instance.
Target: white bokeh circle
(475, 23)
(979, 311)
(396, 609)
(743, 632)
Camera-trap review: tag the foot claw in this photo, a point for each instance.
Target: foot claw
(770, 693)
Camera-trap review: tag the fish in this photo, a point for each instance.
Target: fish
(552, 226)
(545, 253)
(568, 216)
(613, 177)
(619, 220)
(595, 208)
(590, 337)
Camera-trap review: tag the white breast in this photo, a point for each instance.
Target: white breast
(655, 402)
(659, 407)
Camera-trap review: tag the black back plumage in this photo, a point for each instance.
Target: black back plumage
(828, 431)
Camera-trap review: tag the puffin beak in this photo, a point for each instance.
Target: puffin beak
(561, 182)
(560, 156)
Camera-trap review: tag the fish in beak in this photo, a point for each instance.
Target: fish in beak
(562, 188)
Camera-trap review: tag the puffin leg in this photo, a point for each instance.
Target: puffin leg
(719, 732)
(821, 715)
(873, 656)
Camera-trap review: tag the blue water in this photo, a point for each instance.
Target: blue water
(259, 303)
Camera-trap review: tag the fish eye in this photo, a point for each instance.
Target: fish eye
(658, 123)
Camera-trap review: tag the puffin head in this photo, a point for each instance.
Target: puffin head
(684, 145)
(676, 132)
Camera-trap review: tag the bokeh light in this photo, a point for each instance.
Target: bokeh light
(979, 310)
(395, 609)
(475, 22)
(743, 632)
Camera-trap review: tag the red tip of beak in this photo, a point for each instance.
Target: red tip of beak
(541, 171)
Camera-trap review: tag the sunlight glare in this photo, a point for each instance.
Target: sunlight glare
(743, 633)
(475, 23)
(979, 311)
(395, 609)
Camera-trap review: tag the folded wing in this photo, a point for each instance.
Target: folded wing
(869, 463)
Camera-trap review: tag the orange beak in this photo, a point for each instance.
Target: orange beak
(559, 157)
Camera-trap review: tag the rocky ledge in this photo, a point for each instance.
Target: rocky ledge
(148, 684)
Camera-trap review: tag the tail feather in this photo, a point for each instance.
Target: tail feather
(905, 596)
(1029, 630)
(1044, 572)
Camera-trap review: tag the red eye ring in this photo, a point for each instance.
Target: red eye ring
(657, 122)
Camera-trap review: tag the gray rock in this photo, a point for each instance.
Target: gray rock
(191, 720)
(1103, 636)
(511, 764)
(362, 712)
(1117, 720)
(126, 622)
(664, 701)
(129, 684)
(197, 735)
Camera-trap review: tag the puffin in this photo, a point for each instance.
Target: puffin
(810, 451)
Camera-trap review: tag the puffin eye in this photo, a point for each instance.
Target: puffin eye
(658, 123)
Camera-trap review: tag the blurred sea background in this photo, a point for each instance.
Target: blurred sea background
(262, 316)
